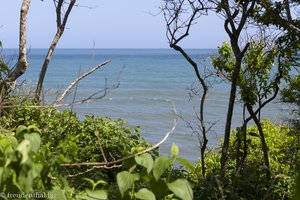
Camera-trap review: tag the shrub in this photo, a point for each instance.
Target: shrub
(87, 140)
(250, 182)
(26, 173)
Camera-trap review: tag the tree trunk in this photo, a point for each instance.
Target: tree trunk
(22, 64)
(263, 142)
(225, 146)
(38, 92)
(61, 24)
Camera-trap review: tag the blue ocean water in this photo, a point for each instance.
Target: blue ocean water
(151, 80)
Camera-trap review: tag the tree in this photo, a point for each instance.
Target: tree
(22, 64)
(236, 16)
(245, 62)
(258, 84)
(283, 14)
(178, 23)
(61, 21)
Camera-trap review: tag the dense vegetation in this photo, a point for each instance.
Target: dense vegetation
(31, 161)
(36, 141)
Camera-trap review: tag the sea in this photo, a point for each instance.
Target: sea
(143, 87)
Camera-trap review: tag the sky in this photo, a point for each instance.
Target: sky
(108, 24)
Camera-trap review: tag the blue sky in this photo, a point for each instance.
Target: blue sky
(111, 24)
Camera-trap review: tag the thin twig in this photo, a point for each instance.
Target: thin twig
(93, 168)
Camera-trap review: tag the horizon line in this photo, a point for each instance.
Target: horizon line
(119, 48)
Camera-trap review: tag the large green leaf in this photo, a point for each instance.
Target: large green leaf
(36, 169)
(34, 139)
(26, 178)
(145, 194)
(33, 129)
(21, 130)
(182, 189)
(146, 161)
(8, 144)
(160, 165)
(97, 194)
(186, 163)
(125, 181)
(24, 148)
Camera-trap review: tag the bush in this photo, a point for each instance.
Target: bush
(74, 140)
(250, 182)
(26, 173)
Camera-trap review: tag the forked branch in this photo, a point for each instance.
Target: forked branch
(61, 22)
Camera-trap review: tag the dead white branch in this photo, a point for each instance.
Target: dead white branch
(69, 88)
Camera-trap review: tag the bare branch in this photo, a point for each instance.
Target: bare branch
(93, 168)
(179, 16)
(69, 88)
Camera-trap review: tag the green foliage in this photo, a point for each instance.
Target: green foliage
(65, 138)
(144, 194)
(4, 69)
(250, 182)
(24, 170)
(225, 61)
(255, 81)
(115, 137)
(145, 160)
(149, 180)
(291, 95)
(100, 194)
(181, 188)
(19, 171)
